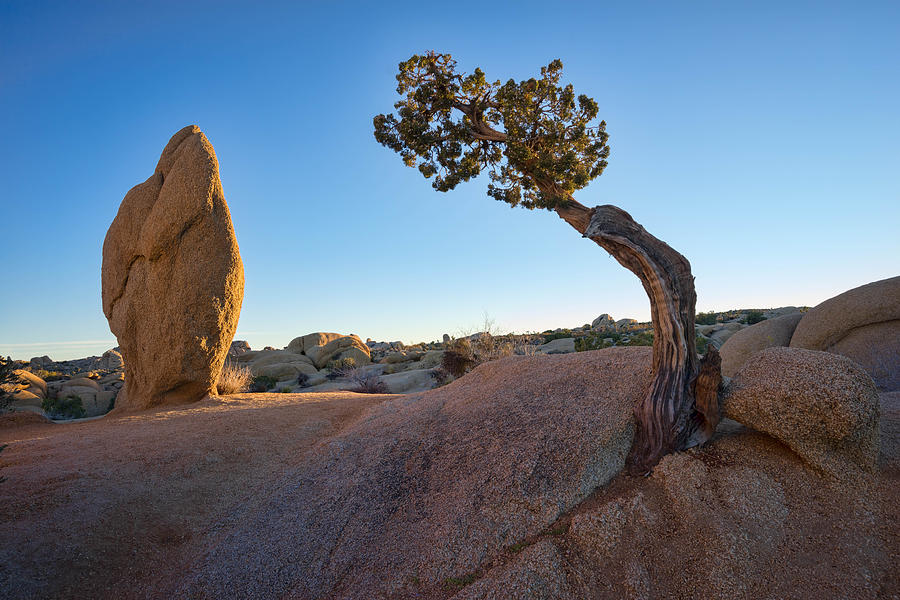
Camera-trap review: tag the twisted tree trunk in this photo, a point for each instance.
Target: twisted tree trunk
(681, 410)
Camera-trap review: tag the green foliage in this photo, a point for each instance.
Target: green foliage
(284, 390)
(263, 383)
(535, 137)
(753, 317)
(458, 582)
(707, 318)
(559, 530)
(702, 344)
(50, 375)
(594, 341)
(644, 338)
(69, 407)
(565, 333)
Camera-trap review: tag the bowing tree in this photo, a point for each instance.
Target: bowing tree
(541, 143)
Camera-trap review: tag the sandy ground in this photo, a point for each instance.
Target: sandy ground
(115, 500)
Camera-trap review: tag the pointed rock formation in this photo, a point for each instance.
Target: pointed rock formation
(172, 277)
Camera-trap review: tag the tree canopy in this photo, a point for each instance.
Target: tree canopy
(534, 137)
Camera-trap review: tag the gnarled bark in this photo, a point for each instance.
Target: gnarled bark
(681, 408)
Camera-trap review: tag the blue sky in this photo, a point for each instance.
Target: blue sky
(758, 139)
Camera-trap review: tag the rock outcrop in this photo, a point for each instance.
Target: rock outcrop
(824, 406)
(445, 479)
(453, 491)
(746, 342)
(603, 323)
(172, 276)
(348, 346)
(558, 346)
(862, 324)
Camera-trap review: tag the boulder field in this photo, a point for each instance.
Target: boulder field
(506, 483)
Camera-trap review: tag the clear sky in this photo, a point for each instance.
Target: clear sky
(760, 139)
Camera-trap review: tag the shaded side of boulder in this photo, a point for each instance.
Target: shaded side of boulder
(824, 406)
(862, 324)
(172, 277)
(765, 334)
(825, 325)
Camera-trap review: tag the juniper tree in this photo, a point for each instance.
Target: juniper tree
(540, 143)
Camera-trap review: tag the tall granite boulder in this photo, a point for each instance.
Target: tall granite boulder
(172, 277)
(862, 324)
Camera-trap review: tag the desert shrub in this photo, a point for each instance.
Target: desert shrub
(591, 342)
(702, 344)
(484, 346)
(69, 407)
(286, 389)
(303, 380)
(340, 367)
(234, 379)
(49, 375)
(440, 375)
(707, 318)
(366, 382)
(458, 358)
(263, 383)
(753, 317)
(644, 338)
(565, 333)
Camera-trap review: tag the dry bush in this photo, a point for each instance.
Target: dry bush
(458, 358)
(366, 382)
(234, 379)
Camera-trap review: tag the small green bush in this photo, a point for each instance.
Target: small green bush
(644, 338)
(565, 333)
(753, 317)
(702, 344)
(707, 318)
(263, 383)
(69, 407)
(594, 341)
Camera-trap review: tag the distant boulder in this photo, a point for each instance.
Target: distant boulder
(349, 346)
(558, 346)
(603, 323)
(238, 347)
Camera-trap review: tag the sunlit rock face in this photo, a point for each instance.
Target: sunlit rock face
(172, 277)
